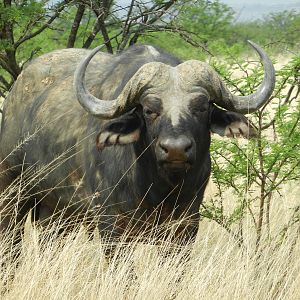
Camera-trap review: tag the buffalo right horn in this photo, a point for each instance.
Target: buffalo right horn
(126, 100)
(93, 105)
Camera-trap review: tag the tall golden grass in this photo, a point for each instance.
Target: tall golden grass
(74, 266)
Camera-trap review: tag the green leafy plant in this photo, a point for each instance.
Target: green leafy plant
(257, 169)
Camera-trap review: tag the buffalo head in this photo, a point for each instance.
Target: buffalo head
(173, 108)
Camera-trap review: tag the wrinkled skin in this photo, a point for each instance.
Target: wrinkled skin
(148, 167)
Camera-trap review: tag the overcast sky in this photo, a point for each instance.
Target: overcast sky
(255, 9)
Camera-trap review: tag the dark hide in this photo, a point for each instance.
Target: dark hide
(127, 186)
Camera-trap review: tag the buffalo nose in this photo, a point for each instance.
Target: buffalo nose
(175, 149)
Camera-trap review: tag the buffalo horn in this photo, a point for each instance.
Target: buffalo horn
(252, 102)
(93, 105)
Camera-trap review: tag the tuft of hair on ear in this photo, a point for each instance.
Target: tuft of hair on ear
(107, 138)
(241, 129)
(123, 130)
(231, 124)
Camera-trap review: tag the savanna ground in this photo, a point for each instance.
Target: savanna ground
(74, 266)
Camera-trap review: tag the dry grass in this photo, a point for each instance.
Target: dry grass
(75, 267)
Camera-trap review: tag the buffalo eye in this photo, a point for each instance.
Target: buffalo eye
(199, 109)
(202, 108)
(150, 114)
(199, 106)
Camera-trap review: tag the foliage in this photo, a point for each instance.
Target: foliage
(31, 27)
(206, 18)
(190, 28)
(281, 30)
(20, 22)
(257, 169)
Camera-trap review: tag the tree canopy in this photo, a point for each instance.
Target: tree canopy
(188, 28)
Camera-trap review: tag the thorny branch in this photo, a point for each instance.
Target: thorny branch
(141, 17)
(59, 8)
(75, 26)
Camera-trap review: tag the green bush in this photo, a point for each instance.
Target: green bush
(257, 169)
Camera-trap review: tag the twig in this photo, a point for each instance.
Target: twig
(59, 9)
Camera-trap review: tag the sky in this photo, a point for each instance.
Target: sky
(255, 9)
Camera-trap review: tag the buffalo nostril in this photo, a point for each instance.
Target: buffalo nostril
(164, 148)
(175, 152)
(188, 147)
(176, 147)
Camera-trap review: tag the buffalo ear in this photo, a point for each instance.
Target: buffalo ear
(121, 131)
(231, 124)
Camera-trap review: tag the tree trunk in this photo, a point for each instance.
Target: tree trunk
(75, 26)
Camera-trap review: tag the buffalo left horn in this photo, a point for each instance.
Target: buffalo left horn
(252, 102)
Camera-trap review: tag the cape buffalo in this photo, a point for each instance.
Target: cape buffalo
(120, 139)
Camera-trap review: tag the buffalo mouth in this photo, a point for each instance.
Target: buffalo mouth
(176, 166)
(174, 171)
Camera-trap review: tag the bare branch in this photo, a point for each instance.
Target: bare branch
(4, 63)
(6, 84)
(93, 34)
(59, 8)
(32, 54)
(75, 25)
